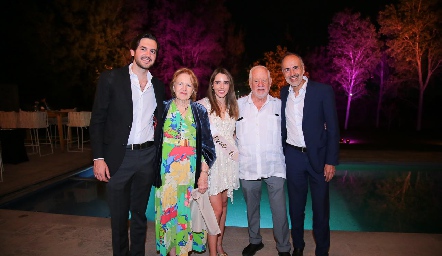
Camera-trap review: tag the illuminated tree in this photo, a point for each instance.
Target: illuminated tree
(77, 40)
(382, 72)
(192, 34)
(354, 48)
(413, 31)
(388, 75)
(272, 60)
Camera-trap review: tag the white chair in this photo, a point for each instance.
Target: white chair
(79, 120)
(34, 121)
(52, 122)
(65, 119)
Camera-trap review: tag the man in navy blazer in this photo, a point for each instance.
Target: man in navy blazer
(122, 134)
(310, 137)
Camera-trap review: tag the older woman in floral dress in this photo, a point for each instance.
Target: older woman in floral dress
(184, 157)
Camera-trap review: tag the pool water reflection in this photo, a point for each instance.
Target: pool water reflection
(363, 197)
(392, 199)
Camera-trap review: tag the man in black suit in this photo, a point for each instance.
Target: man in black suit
(310, 137)
(122, 130)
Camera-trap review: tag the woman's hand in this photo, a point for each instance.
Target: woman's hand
(203, 180)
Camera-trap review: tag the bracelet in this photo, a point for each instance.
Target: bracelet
(206, 171)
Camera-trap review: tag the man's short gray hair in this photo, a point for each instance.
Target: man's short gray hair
(259, 66)
(293, 54)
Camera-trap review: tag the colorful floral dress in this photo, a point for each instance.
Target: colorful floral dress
(172, 206)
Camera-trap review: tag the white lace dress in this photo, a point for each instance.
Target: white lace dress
(224, 172)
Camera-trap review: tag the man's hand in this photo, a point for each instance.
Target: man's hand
(101, 171)
(329, 172)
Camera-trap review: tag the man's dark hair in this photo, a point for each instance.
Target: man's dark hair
(136, 41)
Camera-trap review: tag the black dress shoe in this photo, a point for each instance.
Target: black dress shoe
(251, 249)
(283, 253)
(298, 252)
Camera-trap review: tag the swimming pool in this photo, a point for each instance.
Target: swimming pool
(363, 197)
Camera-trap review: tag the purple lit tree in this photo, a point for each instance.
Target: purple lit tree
(414, 37)
(191, 34)
(354, 48)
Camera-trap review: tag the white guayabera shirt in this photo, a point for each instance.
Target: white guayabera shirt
(258, 135)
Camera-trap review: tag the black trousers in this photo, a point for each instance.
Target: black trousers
(128, 190)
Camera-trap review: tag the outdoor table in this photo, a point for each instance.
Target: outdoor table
(59, 115)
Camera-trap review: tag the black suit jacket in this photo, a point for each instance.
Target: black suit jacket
(319, 124)
(112, 115)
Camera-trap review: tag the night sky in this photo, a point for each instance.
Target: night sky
(306, 21)
(265, 24)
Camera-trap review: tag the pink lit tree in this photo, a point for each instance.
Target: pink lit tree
(193, 34)
(354, 48)
(413, 34)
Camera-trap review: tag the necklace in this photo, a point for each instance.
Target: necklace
(182, 104)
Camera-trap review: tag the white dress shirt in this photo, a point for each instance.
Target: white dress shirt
(294, 114)
(144, 104)
(258, 135)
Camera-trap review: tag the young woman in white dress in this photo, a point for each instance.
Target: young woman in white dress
(222, 107)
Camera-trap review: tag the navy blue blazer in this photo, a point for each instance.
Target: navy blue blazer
(112, 115)
(319, 124)
(204, 141)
